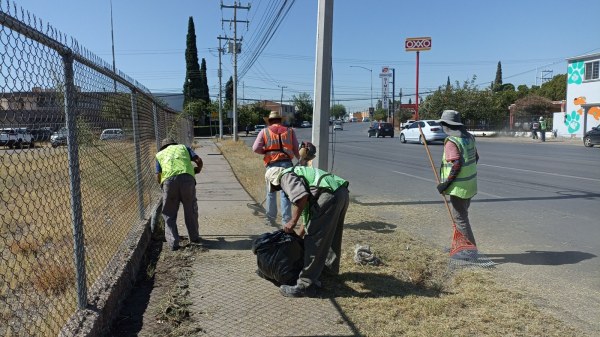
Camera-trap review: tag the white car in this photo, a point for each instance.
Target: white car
(108, 134)
(258, 127)
(432, 131)
(337, 125)
(305, 124)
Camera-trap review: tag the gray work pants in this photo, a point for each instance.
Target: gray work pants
(323, 239)
(460, 213)
(175, 190)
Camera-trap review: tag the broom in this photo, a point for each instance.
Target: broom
(463, 253)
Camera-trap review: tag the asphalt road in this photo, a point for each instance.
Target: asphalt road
(537, 213)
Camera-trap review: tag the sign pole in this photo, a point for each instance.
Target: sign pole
(417, 44)
(417, 92)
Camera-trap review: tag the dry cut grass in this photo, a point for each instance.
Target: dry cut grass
(413, 293)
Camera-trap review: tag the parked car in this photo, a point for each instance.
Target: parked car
(112, 134)
(432, 131)
(305, 124)
(592, 137)
(366, 119)
(381, 129)
(41, 135)
(338, 125)
(16, 138)
(258, 127)
(59, 137)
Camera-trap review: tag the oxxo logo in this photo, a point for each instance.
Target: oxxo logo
(417, 43)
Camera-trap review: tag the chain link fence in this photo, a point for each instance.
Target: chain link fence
(77, 146)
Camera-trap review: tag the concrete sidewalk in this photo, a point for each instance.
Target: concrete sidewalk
(227, 297)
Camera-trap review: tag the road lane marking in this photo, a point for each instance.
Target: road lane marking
(433, 181)
(533, 171)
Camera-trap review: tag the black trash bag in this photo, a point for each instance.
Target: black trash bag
(279, 256)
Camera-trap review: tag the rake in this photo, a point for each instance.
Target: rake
(463, 253)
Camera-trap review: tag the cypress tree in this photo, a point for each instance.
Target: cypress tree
(192, 87)
(204, 95)
(498, 81)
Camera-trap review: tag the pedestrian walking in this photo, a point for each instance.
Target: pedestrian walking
(279, 146)
(458, 171)
(535, 127)
(247, 129)
(322, 199)
(175, 174)
(543, 128)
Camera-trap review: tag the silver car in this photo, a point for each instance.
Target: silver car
(432, 131)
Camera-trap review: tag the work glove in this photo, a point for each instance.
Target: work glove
(196, 170)
(441, 187)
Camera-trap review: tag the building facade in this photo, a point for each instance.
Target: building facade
(583, 97)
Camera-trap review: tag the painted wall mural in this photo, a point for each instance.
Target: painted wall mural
(575, 73)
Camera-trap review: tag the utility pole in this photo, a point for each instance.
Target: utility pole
(221, 50)
(235, 7)
(323, 83)
(393, 94)
(281, 102)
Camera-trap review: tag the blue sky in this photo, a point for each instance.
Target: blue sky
(468, 38)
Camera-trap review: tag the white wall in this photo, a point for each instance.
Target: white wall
(570, 124)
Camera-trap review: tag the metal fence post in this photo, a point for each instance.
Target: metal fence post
(138, 153)
(156, 134)
(75, 181)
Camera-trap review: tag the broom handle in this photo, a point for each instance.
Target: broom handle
(437, 178)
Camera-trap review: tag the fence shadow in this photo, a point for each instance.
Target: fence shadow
(130, 320)
(374, 285)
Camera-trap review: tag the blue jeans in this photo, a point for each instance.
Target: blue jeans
(286, 205)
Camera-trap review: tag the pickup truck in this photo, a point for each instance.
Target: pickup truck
(16, 138)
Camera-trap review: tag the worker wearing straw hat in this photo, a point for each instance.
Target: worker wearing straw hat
(279, 146)
(458, 172)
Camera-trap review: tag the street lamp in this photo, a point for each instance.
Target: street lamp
(371, 71)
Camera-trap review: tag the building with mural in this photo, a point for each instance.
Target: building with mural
(583, 97)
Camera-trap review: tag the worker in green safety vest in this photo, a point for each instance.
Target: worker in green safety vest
(175, 174)
(543, 128)
(322, 199)
(458, 172)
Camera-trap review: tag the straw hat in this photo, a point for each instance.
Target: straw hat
(273, 115)
(273, 177)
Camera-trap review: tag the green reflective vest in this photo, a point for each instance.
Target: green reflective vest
(543, 125)
(316, 179)
(465, 184)
(174, 160)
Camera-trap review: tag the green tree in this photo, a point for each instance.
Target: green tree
(229, 93)
(304, 107)
(198, 109)
(555, 89)
(204, 95)
(192, 87)
(251, 114)
(338, 111)
(380, 115)
(532, 106)
(497, 86)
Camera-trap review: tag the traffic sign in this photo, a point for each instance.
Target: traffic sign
(417, 43)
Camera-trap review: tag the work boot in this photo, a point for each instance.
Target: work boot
(298, 291)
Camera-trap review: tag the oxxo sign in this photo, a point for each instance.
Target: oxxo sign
(417, 43)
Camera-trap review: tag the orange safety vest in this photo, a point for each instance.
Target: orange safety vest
(278, 146)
